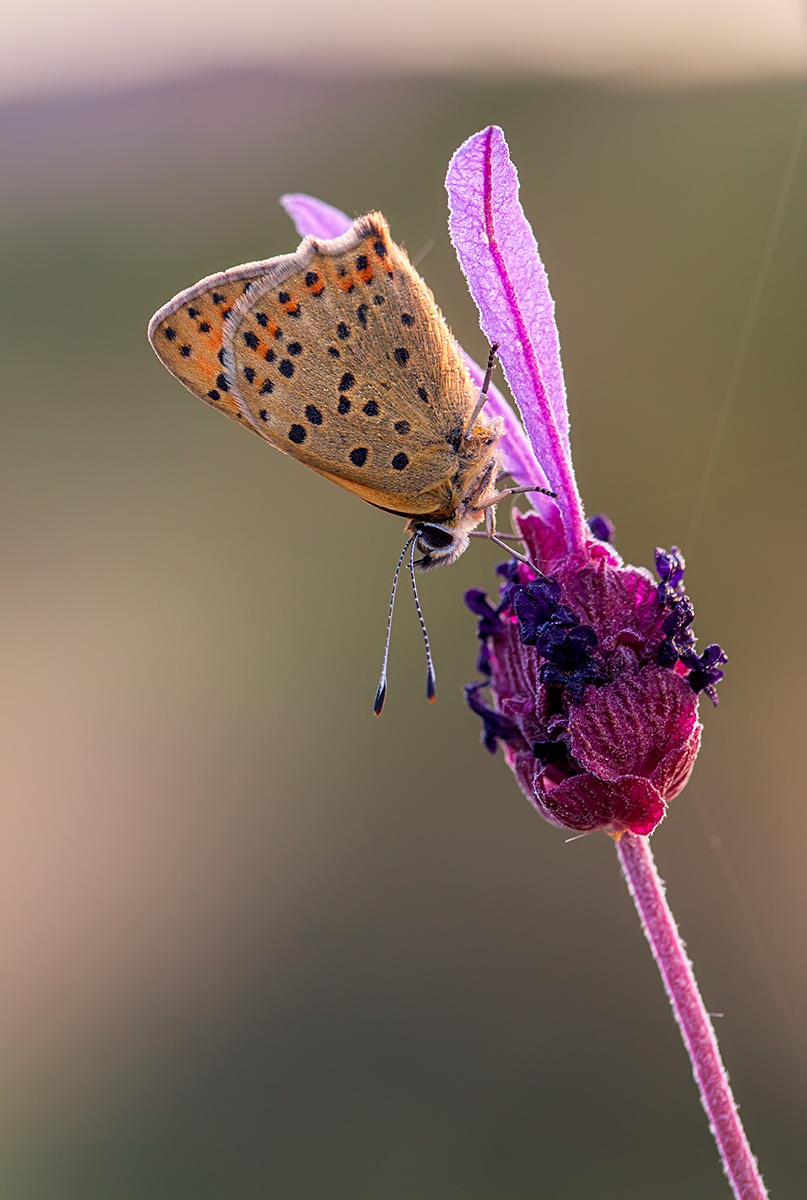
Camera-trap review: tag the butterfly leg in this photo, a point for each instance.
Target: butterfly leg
(508, 537)
(490, 532)
(509, 549)
(514, 491)
(483, 395)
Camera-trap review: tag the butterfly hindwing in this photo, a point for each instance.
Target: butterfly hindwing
(339, 356)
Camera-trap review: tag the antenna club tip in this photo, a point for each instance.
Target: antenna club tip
(378, 703)
(431, 689)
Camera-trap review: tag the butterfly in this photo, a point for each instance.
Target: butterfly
(338, 355)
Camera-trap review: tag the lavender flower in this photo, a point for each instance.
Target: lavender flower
(591, 661)
(590, 664)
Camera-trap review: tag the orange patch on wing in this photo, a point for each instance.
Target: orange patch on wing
(209, 368)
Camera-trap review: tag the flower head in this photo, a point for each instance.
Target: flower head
(590, 665)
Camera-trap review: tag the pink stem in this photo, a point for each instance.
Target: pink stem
(660, 929)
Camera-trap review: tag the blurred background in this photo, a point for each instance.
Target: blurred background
(255, 942)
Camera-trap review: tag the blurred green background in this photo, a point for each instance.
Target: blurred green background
(255, 942)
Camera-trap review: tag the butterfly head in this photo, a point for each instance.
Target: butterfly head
(442, 535)
(440, 542)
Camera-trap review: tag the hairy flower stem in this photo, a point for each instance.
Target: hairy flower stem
(693, 1020)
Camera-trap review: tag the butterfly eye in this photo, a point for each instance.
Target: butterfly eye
(434, 537)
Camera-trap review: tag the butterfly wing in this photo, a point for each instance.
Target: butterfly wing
(339, 356)
(187, 333)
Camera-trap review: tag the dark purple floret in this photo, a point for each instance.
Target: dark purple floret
(677, 625)
(670, 567)
(679, 640)
(549, 752)
(536, 604)
(495, 727)
(569, 655)
(489, 625)
(490, 622)
(510, 570)
(602, 527)
(516, 574)
(667, 655)
(705, 670)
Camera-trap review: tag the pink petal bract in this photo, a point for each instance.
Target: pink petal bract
(315, 218)
(497, 251)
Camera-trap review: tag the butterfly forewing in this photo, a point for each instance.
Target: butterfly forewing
(339, 356)
(187, 334)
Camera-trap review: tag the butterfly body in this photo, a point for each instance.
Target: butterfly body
(338, 355)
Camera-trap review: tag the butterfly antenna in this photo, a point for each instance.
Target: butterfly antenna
(483, 395)
(431, 678)
(381, 693)
(423, 251)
